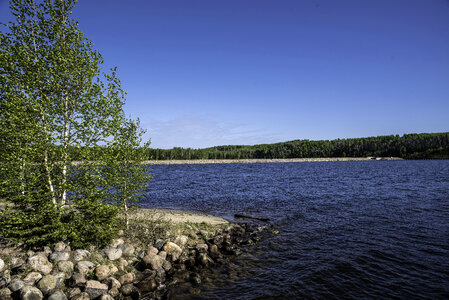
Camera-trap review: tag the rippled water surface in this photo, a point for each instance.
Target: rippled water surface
(353, 230)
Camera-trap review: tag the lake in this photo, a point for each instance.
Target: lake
(375, 229)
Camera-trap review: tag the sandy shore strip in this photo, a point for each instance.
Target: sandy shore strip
(177, 216)
(275, 160)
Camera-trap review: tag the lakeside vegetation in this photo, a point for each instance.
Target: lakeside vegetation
(407, 146)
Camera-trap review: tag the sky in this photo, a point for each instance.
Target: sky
(202, 73)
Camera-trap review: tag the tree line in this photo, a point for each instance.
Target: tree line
(407, 146)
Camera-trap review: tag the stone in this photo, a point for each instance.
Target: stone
(4, 281)
(47, 250)
(117, 242)
(114, 292)
(201, 247)
(173, 250)
(181, 240)
(16, 262)
(74, 292)
(106, 297)
(112, 282)
(153, 261)
(40, 263)
(95, 288)
(58, 295)
(60, 256)
(59, 247)
(166, 265)
(48, 284)
(15, 285)
(159, 244)
(31, 293)
(102, 272)
(32, 278)
(113, 268)
(113, 253)
(163, 254)
(127, 278)
(80, 254)
(2, 265)
(77, 280)
(82, 296)
(122, 263)
(204, 259)
(195, 278)
(131, 290)
(127, 249)
(66, 266)
(147, 285)
(151, 250)
(84, 266)
(5, 294)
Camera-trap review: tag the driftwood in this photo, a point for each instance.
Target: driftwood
(240, 216)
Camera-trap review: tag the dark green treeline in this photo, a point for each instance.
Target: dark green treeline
(408, 146)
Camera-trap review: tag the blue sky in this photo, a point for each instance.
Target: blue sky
(208, 72)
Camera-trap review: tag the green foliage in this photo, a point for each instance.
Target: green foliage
(57, 113)
(408, 146)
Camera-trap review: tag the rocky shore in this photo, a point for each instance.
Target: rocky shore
(125, 269)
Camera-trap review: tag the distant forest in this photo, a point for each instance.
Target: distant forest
(408, 146)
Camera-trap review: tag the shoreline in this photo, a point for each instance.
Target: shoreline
(262, 160)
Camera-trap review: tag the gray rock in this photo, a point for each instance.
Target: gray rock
(127, 278)
(181, 240)
(117, 242)
(114, 292)
(2, 265)
(77, 280)
(5, 294)
(60, 256)
(159, 244)
(58, 247)
(80, 254)
(32, 278)
(66, 266)
(95, 288)
(74, 292)
(84, 266)
(15, 285)
(40, 263)
(48, 284)
(201, 247)
(130, 290)
(204, 259)
(127, 249)
(47, 251)
(4, 281)
(58, 295)
(113, 253)
(31, 293)
(173, 250)
(106, 297)
(112, 283)
(82, 296)
(102, 272)
(153, 261)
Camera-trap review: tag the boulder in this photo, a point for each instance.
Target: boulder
(80, 254)
(204, 259)
(58, 247)
(95, 288)
(173, 250)
(113, 253)
(84, 266)
(40, 263)
(66, 266)
(32, 278)
(60, 256)
(127, 249)
(102, 272)
(77, 280)
(5, 294)
(127, 278)
(82, 296)
(16, 285)
(153, 261)
(48, 284)
(31, 293)
(74, 292)
(58, 295)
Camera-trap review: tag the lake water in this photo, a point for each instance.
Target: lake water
(349, 230)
